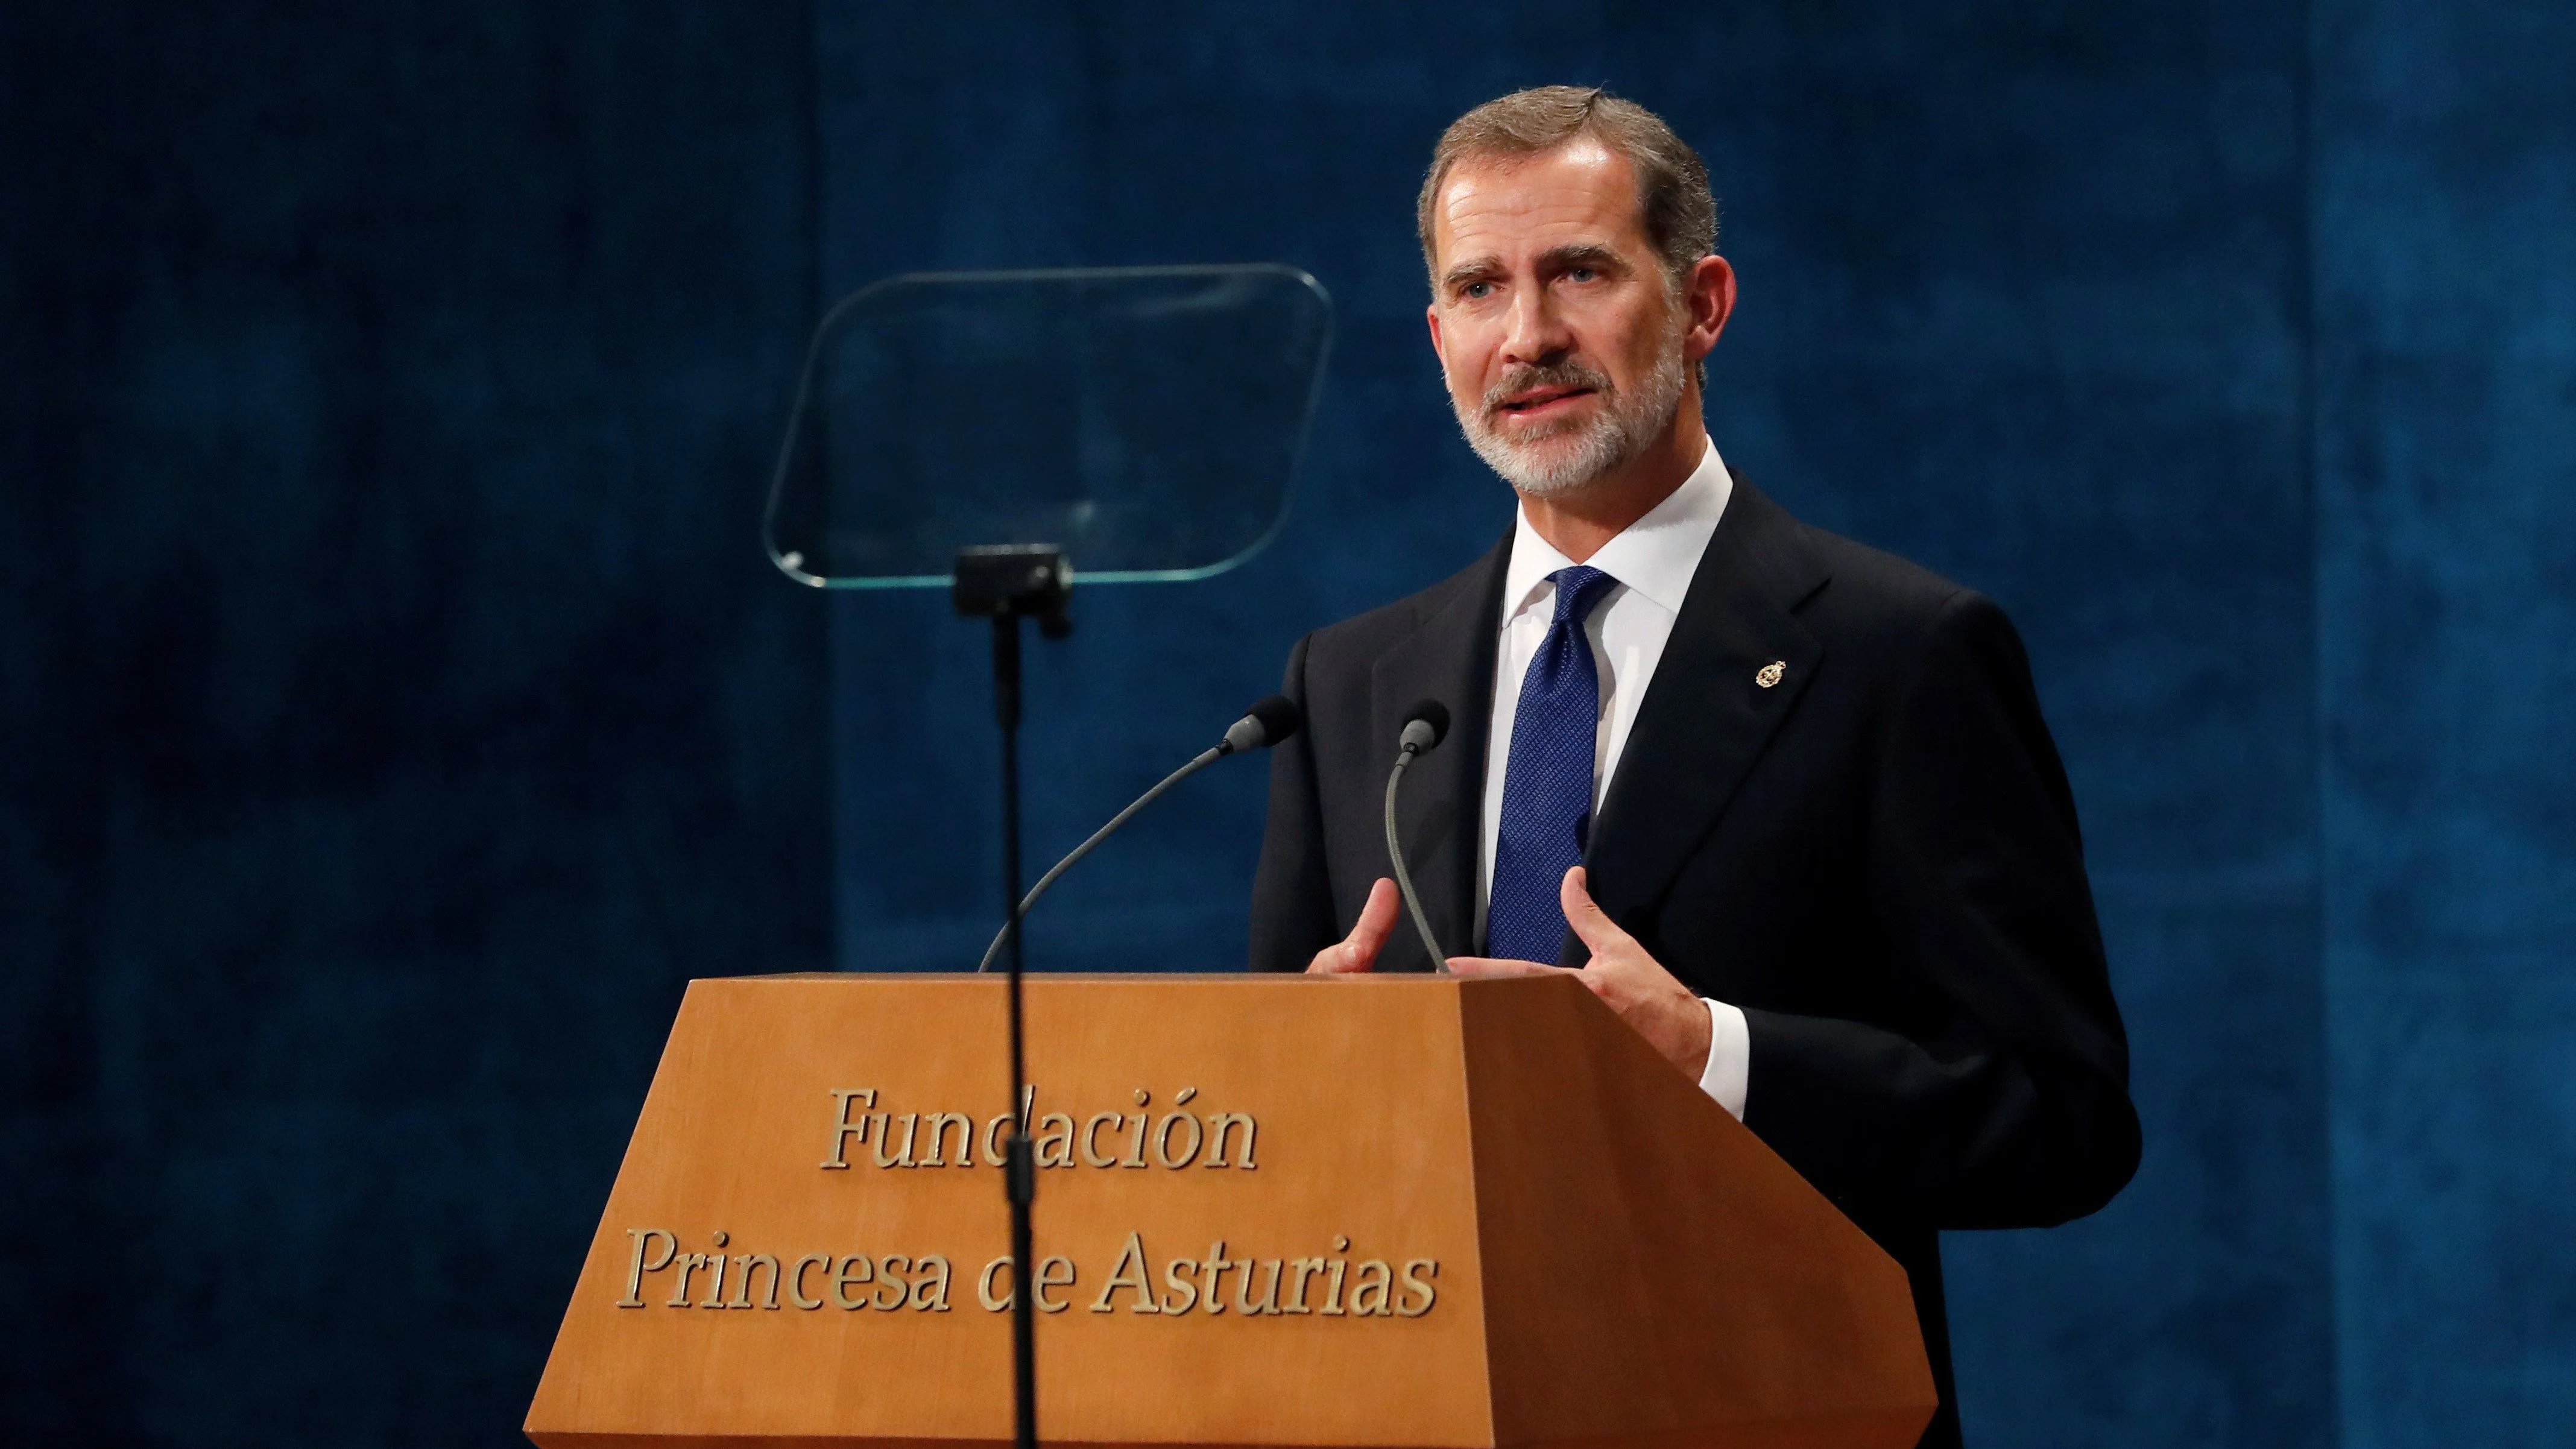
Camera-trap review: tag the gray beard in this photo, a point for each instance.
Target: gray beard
(1623, 430)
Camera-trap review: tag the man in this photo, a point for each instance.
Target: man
(1785, 803)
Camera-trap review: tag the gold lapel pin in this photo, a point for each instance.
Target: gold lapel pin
(1769, 674)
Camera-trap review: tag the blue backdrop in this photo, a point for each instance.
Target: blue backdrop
(395, 708)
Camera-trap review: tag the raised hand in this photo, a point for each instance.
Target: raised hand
(1634, 984)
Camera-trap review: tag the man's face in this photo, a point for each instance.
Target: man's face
(1560, 337)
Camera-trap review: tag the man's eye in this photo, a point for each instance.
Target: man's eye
(1582, 274)
(1477, 290)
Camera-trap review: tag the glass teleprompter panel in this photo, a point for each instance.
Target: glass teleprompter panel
(1146, 420)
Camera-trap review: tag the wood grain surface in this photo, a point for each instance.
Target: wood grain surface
(1618, 1262)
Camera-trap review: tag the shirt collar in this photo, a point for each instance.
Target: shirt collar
(1654, 556)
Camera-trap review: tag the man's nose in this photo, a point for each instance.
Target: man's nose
(1537, 336)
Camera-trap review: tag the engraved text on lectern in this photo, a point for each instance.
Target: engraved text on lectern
(664, 1271)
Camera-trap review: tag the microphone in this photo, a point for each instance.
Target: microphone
(1265, 724)
(1425, 726)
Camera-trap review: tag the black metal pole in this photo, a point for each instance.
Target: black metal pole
(1006, 713)
(1019, 1172)
(1001, 583)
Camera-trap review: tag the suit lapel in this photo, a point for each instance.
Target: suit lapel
(1439, 813)
(1707, 714)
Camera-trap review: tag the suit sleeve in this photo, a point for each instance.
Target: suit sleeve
(2007, 1104)
(1292, 896)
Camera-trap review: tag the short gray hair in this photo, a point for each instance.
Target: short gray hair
(1672, 182)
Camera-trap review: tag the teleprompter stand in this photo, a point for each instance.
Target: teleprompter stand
(1147, 419)
(1006, 584)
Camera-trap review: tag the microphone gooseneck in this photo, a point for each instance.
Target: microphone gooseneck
(1265, 724)
(1425, 726)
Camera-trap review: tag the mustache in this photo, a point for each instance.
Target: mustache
(1568, 373)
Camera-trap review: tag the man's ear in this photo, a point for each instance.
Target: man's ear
(1710, 298)
(1431, 314)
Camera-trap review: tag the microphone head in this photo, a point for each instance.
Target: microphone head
(1279, 718)
(1265, 724)
(1425, 725)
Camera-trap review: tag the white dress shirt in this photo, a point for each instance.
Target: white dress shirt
(1653, 560)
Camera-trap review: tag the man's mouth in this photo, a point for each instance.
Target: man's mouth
(1543, 399)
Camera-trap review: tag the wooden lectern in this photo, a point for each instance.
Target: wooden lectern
(1400, 1211)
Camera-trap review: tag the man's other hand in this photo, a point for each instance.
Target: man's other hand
(1634, 984)
(1357, 951)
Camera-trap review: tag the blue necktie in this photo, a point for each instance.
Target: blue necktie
(1547, 785)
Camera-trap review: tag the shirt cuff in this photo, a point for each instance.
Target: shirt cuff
(1730, 1057)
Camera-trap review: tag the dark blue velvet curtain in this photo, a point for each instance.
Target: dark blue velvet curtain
(395, 708)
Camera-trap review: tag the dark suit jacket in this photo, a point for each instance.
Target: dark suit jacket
(1876, 858)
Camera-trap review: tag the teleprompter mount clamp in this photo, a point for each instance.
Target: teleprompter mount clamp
(1017, 580)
